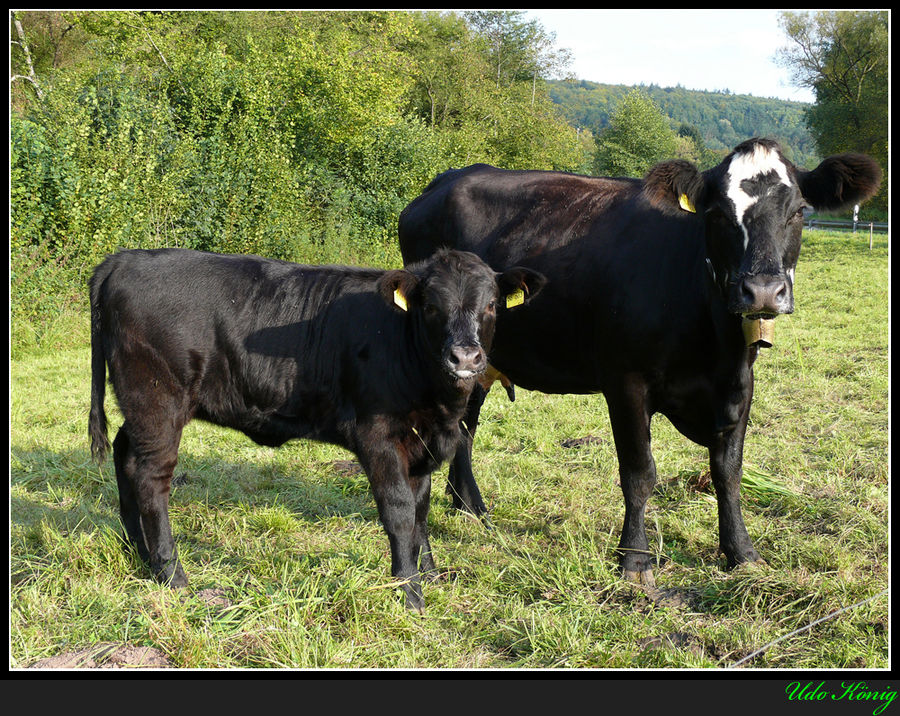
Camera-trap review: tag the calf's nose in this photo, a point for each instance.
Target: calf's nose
(466, 359)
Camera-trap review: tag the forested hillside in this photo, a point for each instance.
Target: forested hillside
(722, 119)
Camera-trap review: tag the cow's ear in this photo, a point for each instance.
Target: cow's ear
(675, 187)
(397, 288)
(519, 285)
(840, 181)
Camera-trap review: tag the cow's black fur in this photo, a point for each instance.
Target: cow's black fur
(647, 283)
(280, 351)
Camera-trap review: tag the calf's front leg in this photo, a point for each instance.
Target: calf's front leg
(397, 497)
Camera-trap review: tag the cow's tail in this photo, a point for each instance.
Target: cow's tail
(97, 417)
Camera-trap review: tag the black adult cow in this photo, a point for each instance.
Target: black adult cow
(380, 362)
(647, 285)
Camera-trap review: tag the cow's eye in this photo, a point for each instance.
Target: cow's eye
(491, 307)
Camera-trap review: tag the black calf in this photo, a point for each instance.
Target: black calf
(380, 362)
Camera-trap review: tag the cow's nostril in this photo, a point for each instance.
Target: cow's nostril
(748, 295)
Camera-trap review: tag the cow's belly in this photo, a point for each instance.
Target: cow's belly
(539, 368)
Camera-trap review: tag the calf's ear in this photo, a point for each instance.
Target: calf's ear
(675, 187)
(840, 181)
(397, 288)
(519, 285)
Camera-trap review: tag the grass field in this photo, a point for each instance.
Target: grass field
(289, 566)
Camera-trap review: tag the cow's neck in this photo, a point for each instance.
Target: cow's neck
(734, 358)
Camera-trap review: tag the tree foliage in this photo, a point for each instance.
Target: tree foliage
(638, 136)
(722, 120)
(843, 57)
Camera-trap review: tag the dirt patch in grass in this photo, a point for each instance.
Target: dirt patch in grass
(107, 656)
(347, 467)
(673, 640)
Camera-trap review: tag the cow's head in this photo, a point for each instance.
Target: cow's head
(455, 297)
(752, 204)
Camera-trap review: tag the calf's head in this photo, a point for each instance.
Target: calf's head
(454, 297)
(752, 204)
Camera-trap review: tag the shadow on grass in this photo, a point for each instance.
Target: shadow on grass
(70, 494)
(74, 481)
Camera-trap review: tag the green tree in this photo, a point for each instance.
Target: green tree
(693, 148)
(480, 86)
(638, 136)
(843, 57)
(507, 41)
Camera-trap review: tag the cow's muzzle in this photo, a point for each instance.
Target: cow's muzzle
(763, 295)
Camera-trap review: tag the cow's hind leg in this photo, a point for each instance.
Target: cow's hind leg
(461, 483)
(630, 421)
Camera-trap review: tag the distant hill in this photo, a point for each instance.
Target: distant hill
(723, 119)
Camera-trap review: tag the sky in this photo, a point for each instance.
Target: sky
(698, 49)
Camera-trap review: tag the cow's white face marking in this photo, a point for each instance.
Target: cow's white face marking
(747, 166)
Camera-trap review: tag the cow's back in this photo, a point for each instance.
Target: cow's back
(506, 215)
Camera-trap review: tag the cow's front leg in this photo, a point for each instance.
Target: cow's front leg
(726, 470)
(637, 473)
(396, 496)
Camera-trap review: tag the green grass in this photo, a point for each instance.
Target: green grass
(291, 540)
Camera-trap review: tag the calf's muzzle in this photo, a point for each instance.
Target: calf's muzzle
(465, 361)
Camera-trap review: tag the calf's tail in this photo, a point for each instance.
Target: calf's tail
(97, 417)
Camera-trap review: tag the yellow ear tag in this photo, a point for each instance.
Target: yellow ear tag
(516, 298)
(400, 300)
(686, 204)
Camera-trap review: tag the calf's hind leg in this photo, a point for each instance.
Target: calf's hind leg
(129, 511)
(144, 477)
